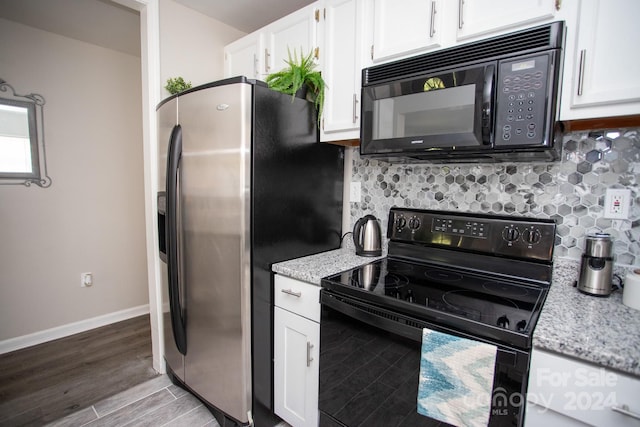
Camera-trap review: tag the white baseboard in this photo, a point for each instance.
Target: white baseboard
(24, 341)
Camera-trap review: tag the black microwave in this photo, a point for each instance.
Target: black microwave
(492, 100)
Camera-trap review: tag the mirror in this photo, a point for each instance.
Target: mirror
(22, 153)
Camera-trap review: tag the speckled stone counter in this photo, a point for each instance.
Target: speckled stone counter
(597, 330)
(314, 267)
(594, 329)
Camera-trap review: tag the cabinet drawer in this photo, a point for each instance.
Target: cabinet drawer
(581, 391)
(298, 297)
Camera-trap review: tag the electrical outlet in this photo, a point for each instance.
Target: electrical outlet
(86, 279)
(355, 195)
(616, 203)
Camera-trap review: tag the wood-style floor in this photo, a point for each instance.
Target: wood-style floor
(155, 403)
(49, 381)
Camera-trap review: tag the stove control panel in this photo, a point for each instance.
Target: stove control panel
(459, 227)
(521, 237)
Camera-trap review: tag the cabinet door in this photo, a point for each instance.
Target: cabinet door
(477, 17)
(296, 373)
(242, 57)
(405, 26)
(341, 68)
(295, 32)
(605, 63)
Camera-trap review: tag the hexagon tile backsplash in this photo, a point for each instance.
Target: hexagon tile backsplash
(571, 190)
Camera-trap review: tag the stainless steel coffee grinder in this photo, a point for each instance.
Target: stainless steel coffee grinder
(596, 270)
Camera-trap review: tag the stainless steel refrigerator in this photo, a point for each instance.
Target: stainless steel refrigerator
(243, 183)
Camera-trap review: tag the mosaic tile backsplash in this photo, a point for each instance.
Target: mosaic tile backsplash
(571, 190)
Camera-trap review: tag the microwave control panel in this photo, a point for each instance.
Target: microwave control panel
(521, 95)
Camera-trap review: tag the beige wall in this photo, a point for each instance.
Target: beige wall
(92, 217)
(191, 44)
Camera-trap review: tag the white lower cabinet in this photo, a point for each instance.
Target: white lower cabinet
(565, 392)
(296, 352)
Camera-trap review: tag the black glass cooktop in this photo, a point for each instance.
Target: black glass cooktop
(499, 308)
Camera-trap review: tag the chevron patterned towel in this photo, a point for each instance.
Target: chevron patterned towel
(456, 379)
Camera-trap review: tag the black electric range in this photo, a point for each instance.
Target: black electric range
(484, 275)
(476, 276)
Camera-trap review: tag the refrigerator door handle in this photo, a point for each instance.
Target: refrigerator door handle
(172, 247)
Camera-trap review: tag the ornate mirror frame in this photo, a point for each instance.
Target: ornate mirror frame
(33, 105)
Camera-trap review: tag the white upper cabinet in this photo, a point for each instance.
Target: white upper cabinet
(296, 32)
(406, 27)
(341, 68)
(401, 27)
(242, 57)
(345, 36)
(265, 51)
(602, 68)
(481, 17)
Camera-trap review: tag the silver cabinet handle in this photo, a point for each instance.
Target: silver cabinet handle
(266, 60)
(583, 60)
(290, 292)
(432, 31)
(460, 20)
(255, 65)
(355, 109)
(309, 358)
(624, 410)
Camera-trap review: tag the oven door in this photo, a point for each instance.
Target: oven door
(444, 111)
(370, 364)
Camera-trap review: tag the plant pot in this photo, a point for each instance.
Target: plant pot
(302, 92)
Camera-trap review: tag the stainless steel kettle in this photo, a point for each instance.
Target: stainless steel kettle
(367, 236)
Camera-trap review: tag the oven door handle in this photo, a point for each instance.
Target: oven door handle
(399, 324)
(372, 315)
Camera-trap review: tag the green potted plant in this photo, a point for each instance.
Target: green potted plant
(177, 85)
(300, 76)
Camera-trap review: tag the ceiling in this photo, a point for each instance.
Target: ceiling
(91, 21)
(107, 24)
(246, 15)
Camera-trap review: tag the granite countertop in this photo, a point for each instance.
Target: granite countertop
(313, 268)
(599, 330)
(593, 329)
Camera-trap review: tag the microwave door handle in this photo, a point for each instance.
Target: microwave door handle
(487, 101)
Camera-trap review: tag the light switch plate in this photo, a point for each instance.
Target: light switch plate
(616, 203)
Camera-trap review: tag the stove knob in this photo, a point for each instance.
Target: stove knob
(521, 326)
(401, 222)
(503, 322)
(532, 236)
(510, 234)
(414, 223)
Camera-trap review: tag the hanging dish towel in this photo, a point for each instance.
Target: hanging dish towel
(456, 379)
